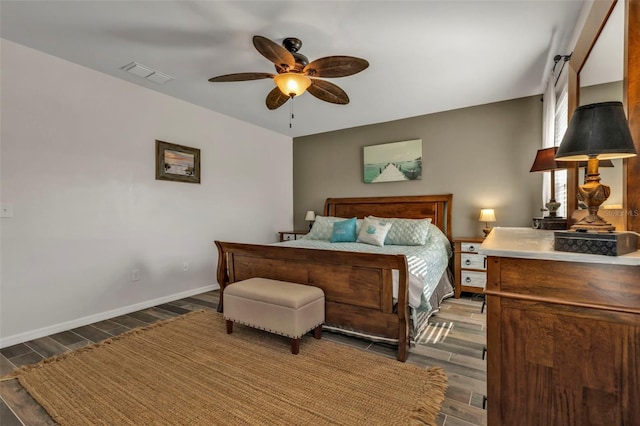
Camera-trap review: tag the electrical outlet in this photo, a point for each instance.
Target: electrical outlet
(135, 275)
(185, 266)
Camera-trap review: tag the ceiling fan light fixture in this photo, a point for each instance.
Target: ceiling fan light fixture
(292, 84)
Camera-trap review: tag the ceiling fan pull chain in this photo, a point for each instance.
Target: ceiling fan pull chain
(291, 116)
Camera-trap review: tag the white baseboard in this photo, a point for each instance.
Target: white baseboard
(68, 325)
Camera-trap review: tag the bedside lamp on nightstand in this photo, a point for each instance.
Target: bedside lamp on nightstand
(486, 216)
(310, 217)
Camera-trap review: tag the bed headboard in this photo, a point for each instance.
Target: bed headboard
(436, 207)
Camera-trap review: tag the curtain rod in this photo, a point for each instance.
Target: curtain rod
(557, 59)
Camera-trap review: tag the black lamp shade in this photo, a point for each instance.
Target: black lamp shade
(598, 130)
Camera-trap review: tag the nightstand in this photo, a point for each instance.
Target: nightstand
(470, 267)
(292, 235)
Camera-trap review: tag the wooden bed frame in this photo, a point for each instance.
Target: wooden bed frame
(358, 287)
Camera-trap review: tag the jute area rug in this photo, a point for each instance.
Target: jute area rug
(188, 371)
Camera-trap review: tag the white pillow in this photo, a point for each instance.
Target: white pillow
(374, 231)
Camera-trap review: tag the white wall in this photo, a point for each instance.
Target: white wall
(77, 164)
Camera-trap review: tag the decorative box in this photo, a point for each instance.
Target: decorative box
(551, 223)
(608, 244)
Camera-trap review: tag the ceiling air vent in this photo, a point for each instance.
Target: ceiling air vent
(146, 72)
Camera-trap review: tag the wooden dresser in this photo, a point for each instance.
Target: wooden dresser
(563, 333)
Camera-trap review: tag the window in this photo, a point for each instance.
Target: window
(561, 123)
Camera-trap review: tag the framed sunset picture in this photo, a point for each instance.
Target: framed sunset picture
(177, 162)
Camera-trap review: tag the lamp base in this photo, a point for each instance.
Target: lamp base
(593, 194)
(593, 223)
(552, 206)
(486, 231)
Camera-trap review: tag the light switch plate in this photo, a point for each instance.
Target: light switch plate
(6, 210)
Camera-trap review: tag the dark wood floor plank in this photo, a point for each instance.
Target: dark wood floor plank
(23, 405)
(15, 350)
(172, 308)
(26, 359)
(199, 302)
(6, 366)
(92, 333)
(129, 321)
(7, 418)
(465, 412)
(46, 346)
(144, 317)
(106, 325)
(67, 338)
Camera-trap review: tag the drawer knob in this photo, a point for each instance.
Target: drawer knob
(472, 248)
(467, 262)
(467, 280)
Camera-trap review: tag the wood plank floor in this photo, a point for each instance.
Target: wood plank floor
(455, 341)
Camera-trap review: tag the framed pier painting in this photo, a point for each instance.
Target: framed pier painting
(392, 162)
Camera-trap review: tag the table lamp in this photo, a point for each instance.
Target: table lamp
(486, 216)
(596, 131)
(545, 162)
(310, 217)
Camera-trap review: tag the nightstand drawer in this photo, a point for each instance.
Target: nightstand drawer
(470, 247)
(473, 279)
(473, 261)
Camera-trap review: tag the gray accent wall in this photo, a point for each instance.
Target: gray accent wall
(482, 155)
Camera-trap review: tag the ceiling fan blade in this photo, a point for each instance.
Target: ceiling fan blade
(275, 99)
(274, 52)
(328, 92)
(241, 76)
(335, 66)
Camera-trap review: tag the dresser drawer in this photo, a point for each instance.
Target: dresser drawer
(473, 279)
(473, 261)
(470, 247)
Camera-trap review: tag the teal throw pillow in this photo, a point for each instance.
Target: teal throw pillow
(344, 231)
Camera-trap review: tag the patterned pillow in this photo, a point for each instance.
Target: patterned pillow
(344, 231)
(374, 231)
(407, 232)
(322, 228)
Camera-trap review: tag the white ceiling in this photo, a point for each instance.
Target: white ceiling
(425, 56)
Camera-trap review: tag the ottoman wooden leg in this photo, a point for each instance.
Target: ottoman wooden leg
(317, 333)
(295, 346)
(229, 326)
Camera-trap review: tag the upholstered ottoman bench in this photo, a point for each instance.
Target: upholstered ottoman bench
(279, 307)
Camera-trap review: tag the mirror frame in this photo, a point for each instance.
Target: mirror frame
(595, 22)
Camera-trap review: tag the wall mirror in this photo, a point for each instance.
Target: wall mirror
(593, 57)
(601, 80)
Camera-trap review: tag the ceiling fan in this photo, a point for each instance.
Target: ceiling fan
(295, 74)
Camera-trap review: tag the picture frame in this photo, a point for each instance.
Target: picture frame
(177, 163)
(392, 162)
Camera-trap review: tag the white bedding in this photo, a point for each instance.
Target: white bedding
(427, 263)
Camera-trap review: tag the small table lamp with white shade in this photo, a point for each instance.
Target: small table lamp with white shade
(486, 216)
(310, 217)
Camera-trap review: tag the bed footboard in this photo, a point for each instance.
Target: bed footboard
(358, 287)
